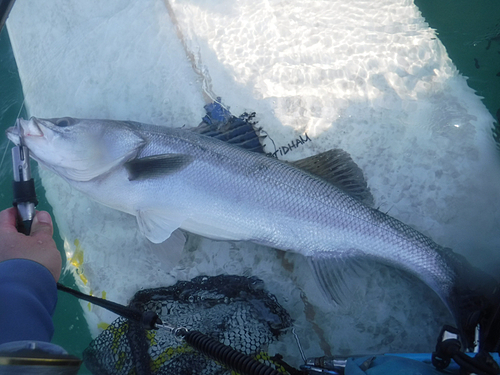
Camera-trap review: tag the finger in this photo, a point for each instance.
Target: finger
(42, 224)
(8, 220)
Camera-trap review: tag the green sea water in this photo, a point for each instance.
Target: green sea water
(469, 30)
(71, 331)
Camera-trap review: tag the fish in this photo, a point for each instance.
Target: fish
(171, 178)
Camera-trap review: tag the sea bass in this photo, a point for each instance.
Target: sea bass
(173, 178)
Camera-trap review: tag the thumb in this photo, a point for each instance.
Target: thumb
(42, 223)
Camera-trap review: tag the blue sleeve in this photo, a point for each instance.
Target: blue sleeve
(28, 297)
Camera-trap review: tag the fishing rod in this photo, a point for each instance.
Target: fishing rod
(23, 186)
(5, 7)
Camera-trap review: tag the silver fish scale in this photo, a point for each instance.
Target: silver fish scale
(270, 202)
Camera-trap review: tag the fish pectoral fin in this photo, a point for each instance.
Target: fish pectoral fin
(337, 167)
(156, 225)
(156, 166)
(338, 276)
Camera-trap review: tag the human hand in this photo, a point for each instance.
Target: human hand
(39, 246)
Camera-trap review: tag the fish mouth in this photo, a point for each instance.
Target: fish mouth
(23, 129)
(14, 135)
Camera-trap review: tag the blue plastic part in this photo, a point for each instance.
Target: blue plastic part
(401, 364)
(216, 113)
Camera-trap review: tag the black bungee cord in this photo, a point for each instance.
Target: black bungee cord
(224, 354)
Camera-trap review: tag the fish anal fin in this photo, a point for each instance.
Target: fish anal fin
(338, 276)
(156, 166)
(156, 225)
(337, 167)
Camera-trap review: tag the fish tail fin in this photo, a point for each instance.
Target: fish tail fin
(475, 301)
(474, 308)
(489, 338)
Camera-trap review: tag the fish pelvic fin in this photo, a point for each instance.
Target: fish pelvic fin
(170, 251)
(337, 167)
(156, 166)
(156, 225)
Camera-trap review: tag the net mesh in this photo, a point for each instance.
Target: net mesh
(234, 310)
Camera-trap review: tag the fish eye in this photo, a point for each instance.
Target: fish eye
(62, 123)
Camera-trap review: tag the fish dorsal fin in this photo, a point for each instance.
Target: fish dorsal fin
(338, 276)
(337, 167)
(156, 166)
(239, 131)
